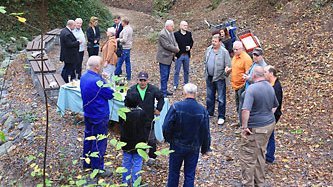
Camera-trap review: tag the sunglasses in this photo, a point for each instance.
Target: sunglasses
(255, 55)
(144, 80)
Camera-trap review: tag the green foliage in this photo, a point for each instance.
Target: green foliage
(162, 7)
(137, 182)
(2, 10)
(58, 12)
(164, 152)
(121, 170)
(142, 145)
(71, 9)
(143, 154)
(153, 37)
(2, 136)
(94, 173)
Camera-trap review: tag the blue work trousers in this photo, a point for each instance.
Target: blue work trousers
(93, 127)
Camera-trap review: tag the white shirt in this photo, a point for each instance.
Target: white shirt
(79, 35)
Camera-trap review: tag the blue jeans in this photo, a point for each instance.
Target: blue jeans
(270, 151)
(93, 127)
(125, 56)
(185, 61)
(133, 163)
(213, 87)
(164, 73)
(176, 159)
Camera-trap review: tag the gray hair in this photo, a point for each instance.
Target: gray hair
(168, 23)
(93, 61)
(112, 30)
(70, 22)
(78, 20)
(238, 44)
(190, 88)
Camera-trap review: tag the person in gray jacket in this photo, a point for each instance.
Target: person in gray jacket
(217, 67)
(167, 48)
(126, 40)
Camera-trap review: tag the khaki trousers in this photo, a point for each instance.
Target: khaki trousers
(252, 155)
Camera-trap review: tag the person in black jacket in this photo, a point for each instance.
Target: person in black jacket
(93, 36)
(69, 52)
(270, 75)
(132, 132)
(148, 93)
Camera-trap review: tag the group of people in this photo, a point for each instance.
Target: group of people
(258, 96)
(73, 43)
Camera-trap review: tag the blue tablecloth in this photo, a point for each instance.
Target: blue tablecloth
(69, 98)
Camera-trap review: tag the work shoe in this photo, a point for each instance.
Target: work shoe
(238, 131)
(220, 121)
(104, 173)
(150, 161)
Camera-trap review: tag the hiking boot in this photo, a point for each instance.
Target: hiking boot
(104, 173)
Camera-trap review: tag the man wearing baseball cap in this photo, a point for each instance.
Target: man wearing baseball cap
(148, 93)
(258, 60)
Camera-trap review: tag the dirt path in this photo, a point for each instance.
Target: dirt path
(221, 167)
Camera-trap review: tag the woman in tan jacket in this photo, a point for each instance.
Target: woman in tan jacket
(109, 52)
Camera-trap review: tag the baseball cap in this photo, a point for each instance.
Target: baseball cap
(143, 75)
(258, 51)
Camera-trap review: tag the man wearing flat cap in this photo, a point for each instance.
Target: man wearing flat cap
(148, 93)
(258, 60)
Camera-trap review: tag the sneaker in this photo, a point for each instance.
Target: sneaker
(220, 121)
(104, 173)
(150, 161)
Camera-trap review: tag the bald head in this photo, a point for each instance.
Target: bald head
(258, 73)
(183, 25)
(238, 47)
(71, 24)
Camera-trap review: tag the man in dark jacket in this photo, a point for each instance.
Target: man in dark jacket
(270, 75)
(117, 25)
(148, 93)
(186, 128)
(132, 133)
(69, 52)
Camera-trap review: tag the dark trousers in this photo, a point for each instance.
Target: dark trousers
(78, 67)
(270, 151)
(93, 127)
(239, 97)
(93, 51)
(164, 74)
(176, 159)
(213, 87)
(68, 71)
(151, 142)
